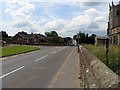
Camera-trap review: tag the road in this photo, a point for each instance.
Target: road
(49, 67)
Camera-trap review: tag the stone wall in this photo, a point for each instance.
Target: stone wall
(94, 73)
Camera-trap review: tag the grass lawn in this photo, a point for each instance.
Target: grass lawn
(100, 51)
(13, 50)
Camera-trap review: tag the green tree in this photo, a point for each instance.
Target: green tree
(92, 39)
(52, 37)
(54, 33)
(82, 37)
(3, 34)
(67, 40)
(85, 38)
(22, 32)
(48, 34)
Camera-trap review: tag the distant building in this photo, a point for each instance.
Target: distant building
(28, 39)
(114, 24)
(100, 40)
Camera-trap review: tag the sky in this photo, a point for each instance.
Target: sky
(66, 17)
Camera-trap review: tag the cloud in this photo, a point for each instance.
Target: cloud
(89, 21)
(20, 12)
(19, 8)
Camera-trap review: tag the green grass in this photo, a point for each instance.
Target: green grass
(100, 52)
(13, 50)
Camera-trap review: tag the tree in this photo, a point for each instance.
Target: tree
(4, 34)
(92, 39)
(54, 33)
(85, 38)
(75, 37)
(22, 32)
(67, 40)
(48, 34)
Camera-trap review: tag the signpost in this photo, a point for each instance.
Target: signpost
(107, 50)
(78, 41)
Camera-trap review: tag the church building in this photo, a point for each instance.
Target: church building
(113, 30)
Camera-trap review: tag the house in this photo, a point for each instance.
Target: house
(113, 30)
(100, 40)
(22, 38)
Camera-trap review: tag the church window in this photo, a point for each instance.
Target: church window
(118, 12)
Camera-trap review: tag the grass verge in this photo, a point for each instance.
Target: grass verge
(14, 50)
(100, 52)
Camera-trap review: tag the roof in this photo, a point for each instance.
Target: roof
(30, 36)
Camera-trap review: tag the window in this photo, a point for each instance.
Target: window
(118, 12)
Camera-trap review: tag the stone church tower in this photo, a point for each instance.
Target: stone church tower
(114, 24)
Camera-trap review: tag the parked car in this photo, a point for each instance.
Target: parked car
(3, 43)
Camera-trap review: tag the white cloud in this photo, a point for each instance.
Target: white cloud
(19, 8)
(91, 20)
(20, 12)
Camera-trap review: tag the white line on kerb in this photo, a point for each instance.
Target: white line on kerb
(53, 52)
(80, 49)
(4, 75)
(41, 58)
(59, 49)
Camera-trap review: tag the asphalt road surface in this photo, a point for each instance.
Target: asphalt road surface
(49, 67)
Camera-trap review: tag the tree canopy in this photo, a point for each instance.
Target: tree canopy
(3, 34)
(22, 32)
(85, 38)
(51, 34)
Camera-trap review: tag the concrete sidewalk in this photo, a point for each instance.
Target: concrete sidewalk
(68, 76)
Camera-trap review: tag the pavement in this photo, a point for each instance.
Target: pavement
(49, 67)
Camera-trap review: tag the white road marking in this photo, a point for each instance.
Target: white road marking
(4, 75)
(53, 52)
(41, 58)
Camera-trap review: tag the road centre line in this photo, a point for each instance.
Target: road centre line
(41, 58)
(53, 52)
(4, 75)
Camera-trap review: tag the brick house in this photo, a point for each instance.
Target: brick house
(28, 39)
